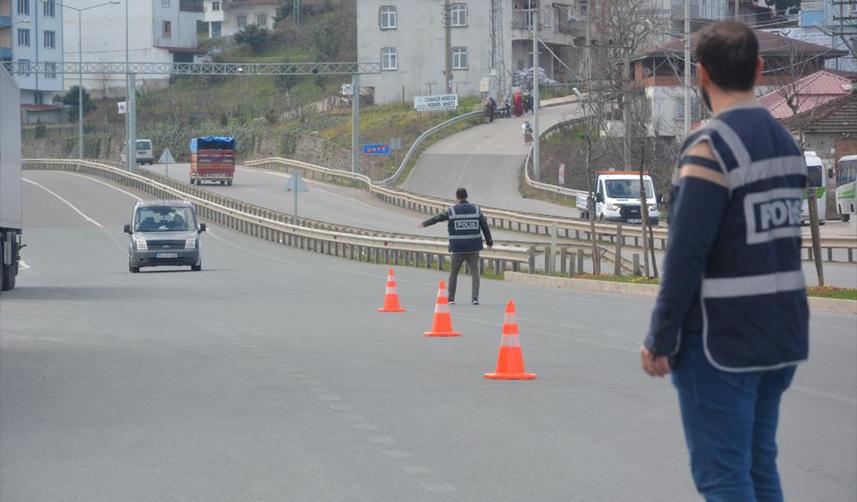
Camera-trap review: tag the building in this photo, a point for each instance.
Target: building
(227, 17)
(659, 74)
(489, 39)
(831, 23)
(158, 31)
(808, 93)
(31, 32)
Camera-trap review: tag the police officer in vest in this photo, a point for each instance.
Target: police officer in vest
(731, 319)
(466, 224)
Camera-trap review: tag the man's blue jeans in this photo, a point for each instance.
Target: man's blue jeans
(730, 425)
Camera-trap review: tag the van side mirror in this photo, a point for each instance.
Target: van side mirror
(660, 199)
(599, 197)
(127, 229)
(201, 227)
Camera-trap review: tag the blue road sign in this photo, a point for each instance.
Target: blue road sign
(380, 149)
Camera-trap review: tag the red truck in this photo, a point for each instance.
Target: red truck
(212, 158)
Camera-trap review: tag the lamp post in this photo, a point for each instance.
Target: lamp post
(80, 68)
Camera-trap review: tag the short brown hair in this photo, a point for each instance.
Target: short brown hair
(729, 50)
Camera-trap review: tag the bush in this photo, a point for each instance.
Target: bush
(254, 36)
(70, 99)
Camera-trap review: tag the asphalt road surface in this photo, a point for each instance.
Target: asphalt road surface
(487, 160)
(269, 376)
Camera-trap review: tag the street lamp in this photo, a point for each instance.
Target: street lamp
(80, 67)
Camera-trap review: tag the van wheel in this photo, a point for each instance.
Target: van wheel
(196, 268)
(846, 217)
(133, 269)
(229, 182)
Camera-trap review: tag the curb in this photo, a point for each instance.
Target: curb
(828, 305)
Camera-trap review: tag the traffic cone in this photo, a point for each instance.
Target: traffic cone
(442, 323)
(510, 363)
(391, 295)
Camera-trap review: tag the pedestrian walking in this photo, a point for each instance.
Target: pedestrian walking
(527, 127)
(528, 105)
(731, 319)
(466, 225)
(517, 103)
(490, 105)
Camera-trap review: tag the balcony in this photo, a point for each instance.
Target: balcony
(5, 21)
(191, 6)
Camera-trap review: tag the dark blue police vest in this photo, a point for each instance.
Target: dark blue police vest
(752, 305)
(463, 227)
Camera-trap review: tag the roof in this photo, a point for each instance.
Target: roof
(769, 44)
(837, 117)
(41, 108)
(811, 91)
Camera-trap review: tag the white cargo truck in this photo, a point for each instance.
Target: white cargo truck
(11, 204)
(617, 198)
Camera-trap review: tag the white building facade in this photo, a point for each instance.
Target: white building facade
(158, 31)
(489, 39)
(31, 31)
(227, 17)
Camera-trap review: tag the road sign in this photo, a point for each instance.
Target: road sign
(296, 185)
(166, 157)
(396, 143)
(376, 150)
(123, 107)
(561, 174)
(437, 103)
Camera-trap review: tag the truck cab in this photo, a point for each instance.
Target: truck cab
(617, 198)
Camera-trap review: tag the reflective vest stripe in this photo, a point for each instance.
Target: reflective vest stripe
(753, 285)
(766, 169)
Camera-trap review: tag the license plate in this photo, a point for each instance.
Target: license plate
(166, 255)
(635, 221)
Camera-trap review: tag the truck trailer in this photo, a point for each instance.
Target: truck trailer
(11, 202)
(212, 158)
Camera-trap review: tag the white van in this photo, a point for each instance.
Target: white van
(818, 181)
(144, 152)
(617, 196)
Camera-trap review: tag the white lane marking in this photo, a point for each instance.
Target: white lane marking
(67, 203)
(23, 265)
(108, 185)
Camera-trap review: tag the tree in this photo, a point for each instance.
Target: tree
(70, 99)
(254, 36)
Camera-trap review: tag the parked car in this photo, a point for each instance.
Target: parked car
(144, 152)
(162, 233)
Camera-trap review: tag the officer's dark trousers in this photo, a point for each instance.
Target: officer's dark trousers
(458, 259)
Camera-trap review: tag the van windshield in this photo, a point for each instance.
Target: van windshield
(164, 219)
(144, 145)
(816, 176)
(627, 189)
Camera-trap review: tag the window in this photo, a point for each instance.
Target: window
(49, 8)
(51, 70)
(168, 29)
(694, 109)
(389, 59)
(262, 20)
(165, 4)
(459, 58)
(241, 21)
(458, 15)
(24, 67)
(24, 7)
(23, 37)
(38, 98)
(215, 6)
(50, 40)
(388, 18)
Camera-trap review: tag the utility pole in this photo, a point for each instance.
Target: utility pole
(536, 145)
(296, 9)
(130, 104)
(447, 48)
(737, 9)
(626, 102)
(355, 123)
(687, 111)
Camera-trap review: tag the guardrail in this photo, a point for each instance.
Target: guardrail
(565, 230)
(323, 237)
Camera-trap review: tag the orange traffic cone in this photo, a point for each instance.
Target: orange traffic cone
(391, 295)
(442, 323)
(510, 363)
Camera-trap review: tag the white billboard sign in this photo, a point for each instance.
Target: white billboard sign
(437, 103)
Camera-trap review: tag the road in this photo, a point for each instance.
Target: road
(486, 159)
(269, 376)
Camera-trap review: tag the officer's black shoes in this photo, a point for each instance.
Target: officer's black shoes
(475, 301)
(451, 301)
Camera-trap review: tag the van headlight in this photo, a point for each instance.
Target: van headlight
(611, 207)
(190, 243)
(140, 244)
(653, 208)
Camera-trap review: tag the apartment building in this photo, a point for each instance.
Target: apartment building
(158, 31)
(227, 17)
(31, 32)
(489, 39)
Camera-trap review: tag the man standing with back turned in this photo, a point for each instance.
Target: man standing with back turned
(731, 320)
(466, 224)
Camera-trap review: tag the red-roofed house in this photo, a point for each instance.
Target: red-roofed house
(807, 93)
(659, 71)
(42, 114)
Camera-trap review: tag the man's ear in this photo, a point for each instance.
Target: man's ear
(702, 77)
